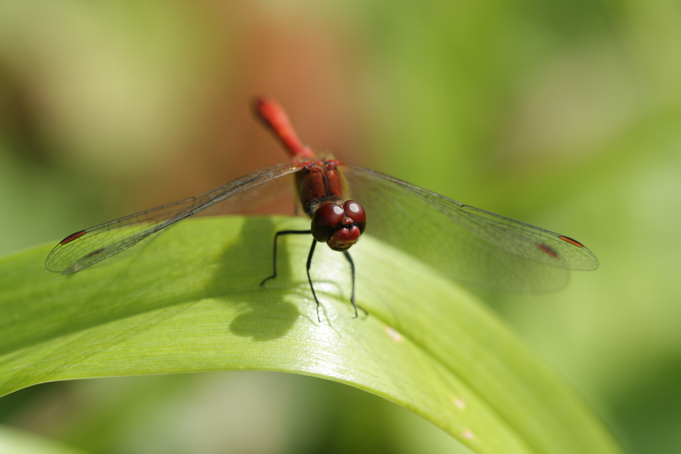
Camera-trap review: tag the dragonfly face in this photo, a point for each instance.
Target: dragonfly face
(339, 224)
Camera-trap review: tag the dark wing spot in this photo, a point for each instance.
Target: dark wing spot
(72, 237)
(571, 241)
(547, 250)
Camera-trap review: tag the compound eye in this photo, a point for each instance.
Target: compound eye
(326, 220)
(354, 211)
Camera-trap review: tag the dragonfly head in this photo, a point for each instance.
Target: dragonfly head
(339, 224)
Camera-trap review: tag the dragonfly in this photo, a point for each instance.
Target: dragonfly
(343, 201)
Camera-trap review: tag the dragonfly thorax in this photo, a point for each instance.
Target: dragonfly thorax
(318, 182)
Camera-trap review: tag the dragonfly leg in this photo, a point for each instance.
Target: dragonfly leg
(309, 265)
(352, 296)
(309, 279)
(274, 254)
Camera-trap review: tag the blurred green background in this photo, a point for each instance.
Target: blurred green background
(563, 114)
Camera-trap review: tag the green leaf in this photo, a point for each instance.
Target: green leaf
(18, 442)
(190, 301)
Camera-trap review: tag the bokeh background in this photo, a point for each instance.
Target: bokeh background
(564, 114)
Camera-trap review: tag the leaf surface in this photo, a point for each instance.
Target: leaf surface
(190, 301)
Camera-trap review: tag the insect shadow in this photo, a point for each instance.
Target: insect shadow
(266, 315)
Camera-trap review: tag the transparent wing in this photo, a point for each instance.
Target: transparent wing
(87, 247)
(463, 242)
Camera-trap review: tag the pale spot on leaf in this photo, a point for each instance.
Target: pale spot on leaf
(394, 335)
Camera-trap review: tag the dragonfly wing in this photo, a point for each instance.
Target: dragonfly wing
(462, 242)
(87, 247)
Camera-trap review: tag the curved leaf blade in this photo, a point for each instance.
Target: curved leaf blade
(190, 301)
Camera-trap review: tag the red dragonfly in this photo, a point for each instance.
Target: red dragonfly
(462, 242)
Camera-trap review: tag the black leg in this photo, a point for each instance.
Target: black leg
(352, 296)
(309, 279)
(274, 255)
(309, 265)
